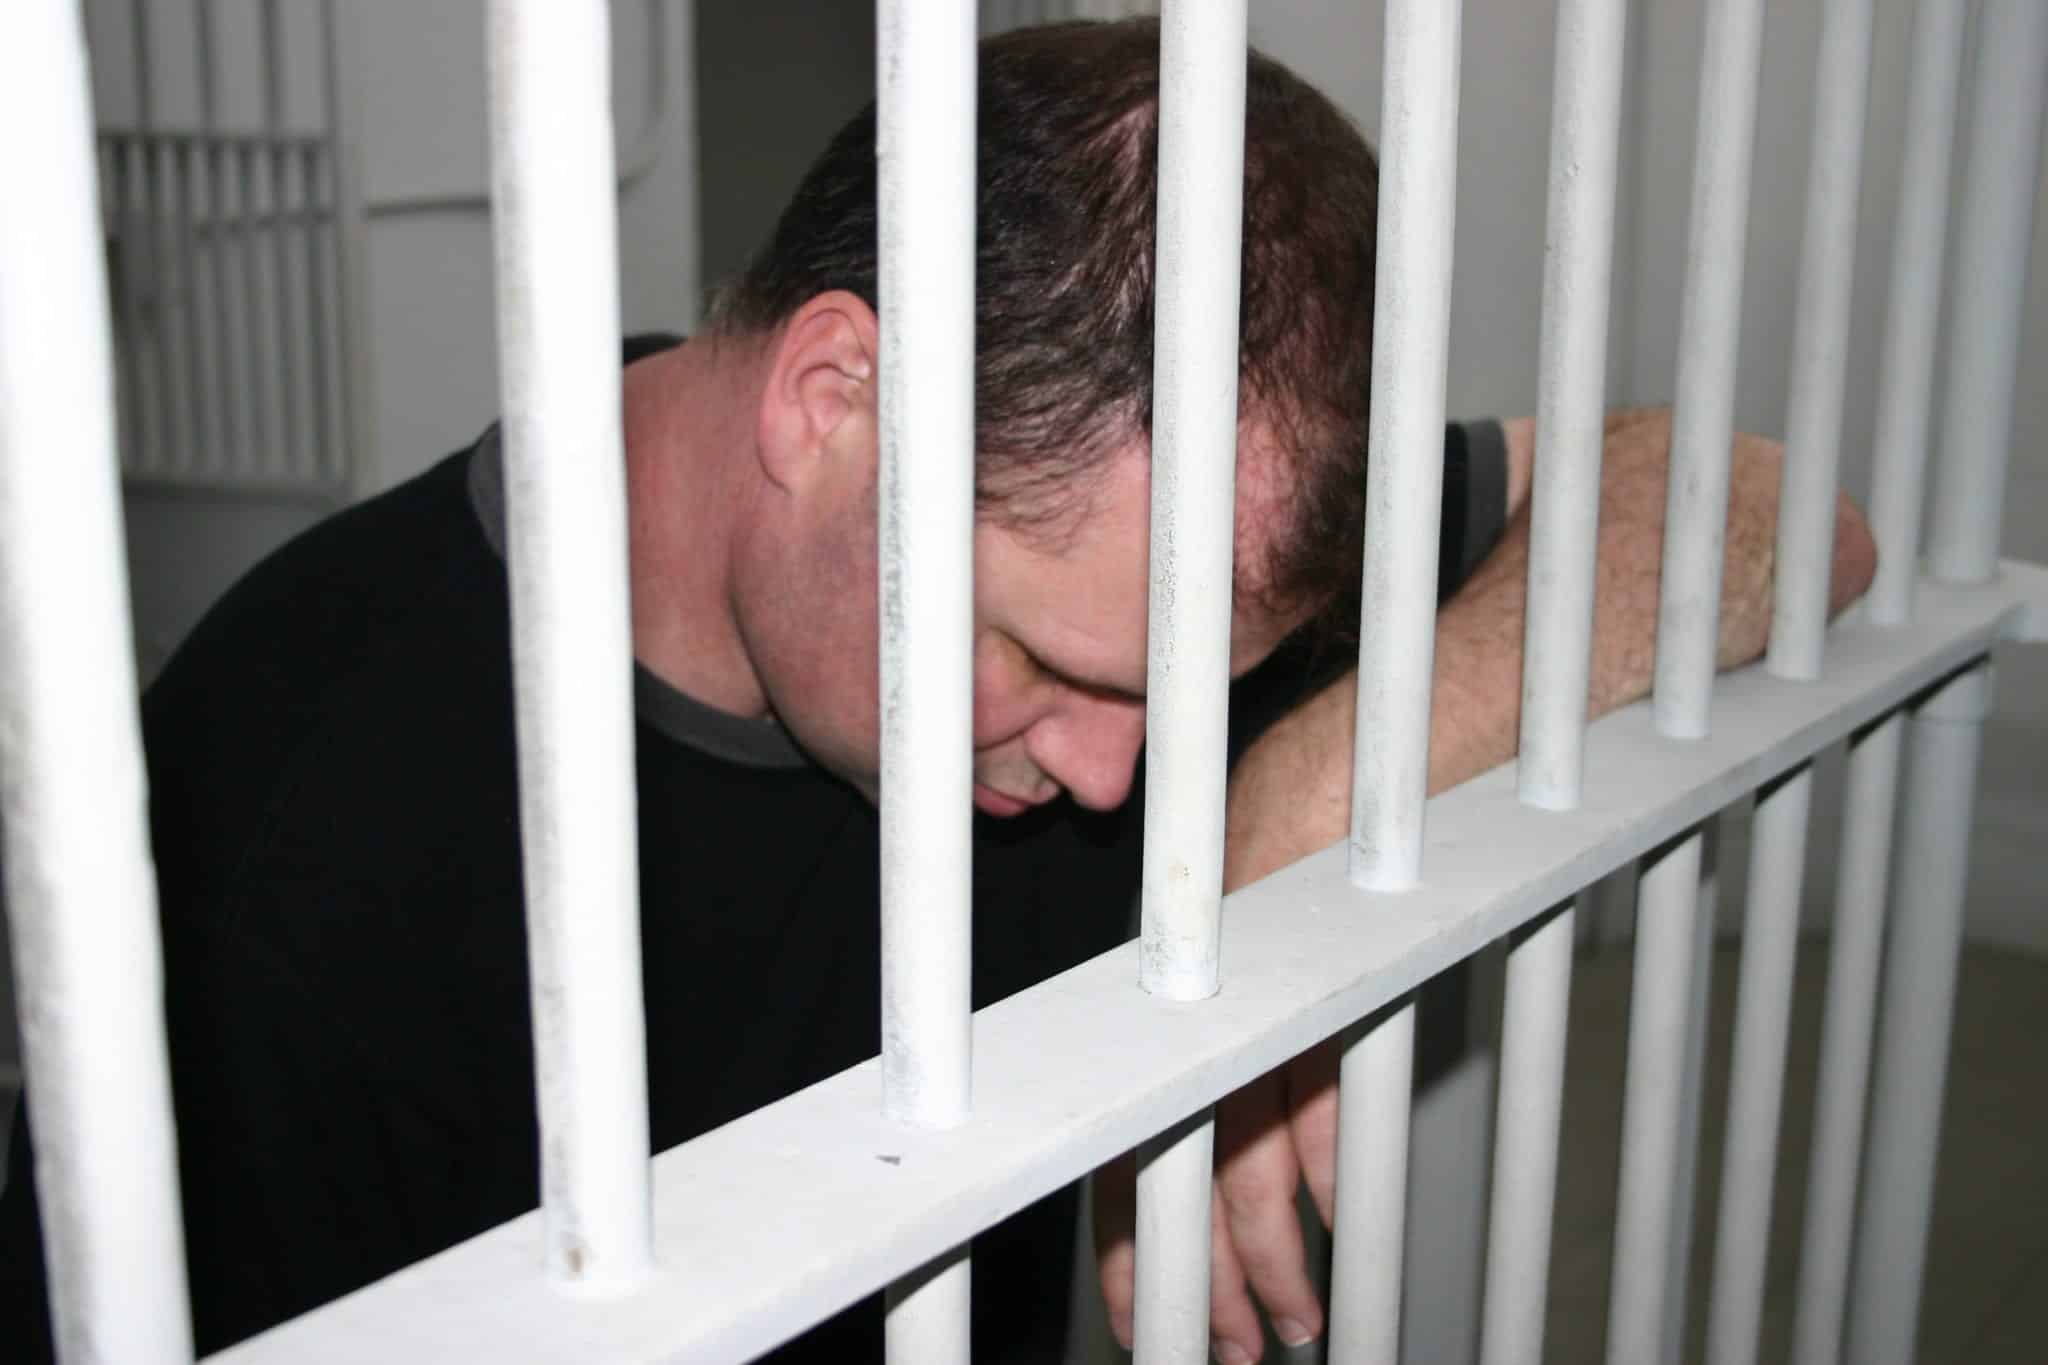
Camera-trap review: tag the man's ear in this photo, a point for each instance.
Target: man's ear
(819, 401)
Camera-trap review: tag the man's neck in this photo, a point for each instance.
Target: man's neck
(688, 425)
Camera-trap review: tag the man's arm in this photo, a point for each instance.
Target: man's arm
(1291, 795)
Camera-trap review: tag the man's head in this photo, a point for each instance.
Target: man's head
(1066, 225)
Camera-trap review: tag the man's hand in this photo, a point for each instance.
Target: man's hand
(1291, 794)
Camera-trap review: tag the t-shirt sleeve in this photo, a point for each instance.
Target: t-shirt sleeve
(1475, 500)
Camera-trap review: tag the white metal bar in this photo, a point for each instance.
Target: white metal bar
(1175, 1174)
(1913, 1032)
(80, 893)
(556, 235)
(1693, 1094)
(1404, 482)
(1703, 420)
(1390, 754)
(1659, 1013)
(1770, 940)
(926, 110)
(1194, 471)
(928, 1314)
(1533, 1029)
(925, 147)
(340, 26)
(1578, 266)
(1585, 136)
(1905, 387)
(1372, 1187)
(1805, 550)
(1853, 958)
(1820, 343)
(1308, 952)
(1993, 237)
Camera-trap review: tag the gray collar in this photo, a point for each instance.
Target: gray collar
(681, 717)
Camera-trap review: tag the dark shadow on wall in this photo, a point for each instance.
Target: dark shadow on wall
(775, 80)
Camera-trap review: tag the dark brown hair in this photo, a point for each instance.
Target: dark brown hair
(1067, 171)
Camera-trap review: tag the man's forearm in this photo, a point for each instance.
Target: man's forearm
(1291, 794)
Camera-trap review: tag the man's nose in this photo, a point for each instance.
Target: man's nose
(1090, 747)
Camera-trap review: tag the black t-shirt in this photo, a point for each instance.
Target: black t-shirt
(335, 819)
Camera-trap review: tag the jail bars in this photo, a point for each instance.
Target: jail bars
(81, 896)
(925, 150)
(895, 1171)
(239, 296)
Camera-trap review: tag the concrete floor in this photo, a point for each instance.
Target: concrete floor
(1986, 1299)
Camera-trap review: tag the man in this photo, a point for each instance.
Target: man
(331, 756)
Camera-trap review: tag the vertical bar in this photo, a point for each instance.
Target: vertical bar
(1692, 1096)
(259, 375)
(1172, 1317)
(1853, 955)
(315, 209)
(340, 26)
(1390, 756)
(209, 72)
(80, 892)
(1770, 940)
(128, 306)
(1194, 468)
(270, 40)
(1372, 1187)
(1703, 421)
(1820, 344)
(925, 1314)
(1913, 1033)
(927, 151)
(1194, 471)
(196, 373)
(1905, 387)
(1805, 550)
(1993, 235)
(1533, 1029)
(1404, 483)
(1687, 636)
(166, 451)
(289, 457)
(925, 147)
(143, 54)
(1578, 267)
(1577, 273)
(555, 225)
(228, 454)
(1660, 1013)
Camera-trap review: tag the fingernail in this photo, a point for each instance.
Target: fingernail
(1120, 1328)
(1230, 1353)
(1291, 1332)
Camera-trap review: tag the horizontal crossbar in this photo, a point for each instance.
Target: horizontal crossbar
(790, 1214)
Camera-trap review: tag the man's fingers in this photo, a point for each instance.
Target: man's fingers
(1115, 1194)
(1256, 1180)
(1312, 1117)
(1235, 1337)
